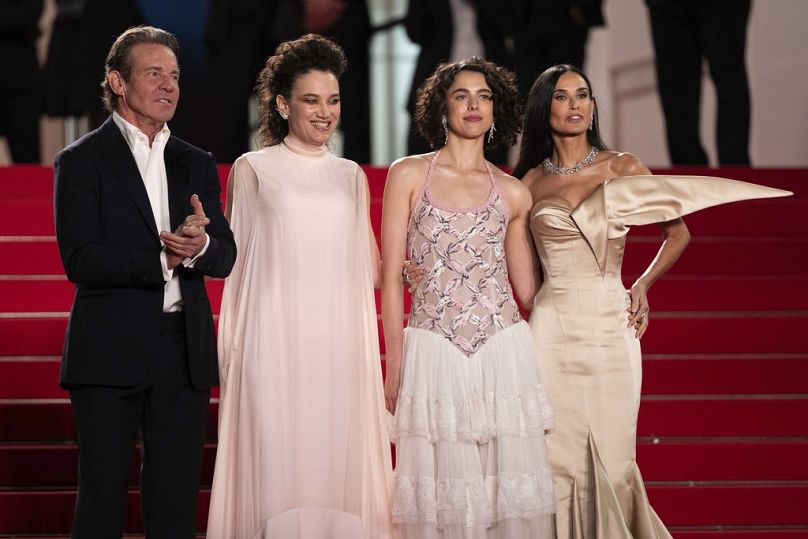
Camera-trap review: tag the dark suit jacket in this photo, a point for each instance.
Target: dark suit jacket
(110, 248)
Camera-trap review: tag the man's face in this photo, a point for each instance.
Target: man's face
(149, 98)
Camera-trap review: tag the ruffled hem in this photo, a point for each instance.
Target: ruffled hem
(473, 501)
(471, 456)
(447, 396)
(475, 418)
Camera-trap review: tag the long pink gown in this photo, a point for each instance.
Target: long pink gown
(303, 448)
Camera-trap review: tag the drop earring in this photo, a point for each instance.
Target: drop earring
(445, 124)
(491, 132)
(591, 122)
(283, 114)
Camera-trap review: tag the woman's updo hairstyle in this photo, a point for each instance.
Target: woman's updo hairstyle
(291, 60)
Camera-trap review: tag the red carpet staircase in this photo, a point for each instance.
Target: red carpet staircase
(724, 421)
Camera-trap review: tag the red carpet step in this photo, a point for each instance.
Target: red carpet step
(672, 293)
(728, 459)
(722, 432)
(699, 374)
(55, 466)
(704, 256)
(36, 421)
(697, 333)
(50, 511)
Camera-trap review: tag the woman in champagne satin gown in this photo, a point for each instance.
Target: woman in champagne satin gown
(462, 378)
(303, 446)
(586, 325)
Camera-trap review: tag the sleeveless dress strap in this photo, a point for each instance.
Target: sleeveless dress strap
(423, 190)
(496, 193)
(432, 165)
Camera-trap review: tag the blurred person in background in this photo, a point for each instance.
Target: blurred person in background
(685, 33)
(20, 81)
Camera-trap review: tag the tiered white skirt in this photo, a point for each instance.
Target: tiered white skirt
(469, 434)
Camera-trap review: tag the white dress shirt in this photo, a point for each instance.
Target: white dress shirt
(152, 169)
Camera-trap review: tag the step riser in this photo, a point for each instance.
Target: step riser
(702, 257)
(726, 417)
(709, 335)
(39, 379)
(717, 335)
(56, 466)
(730, 505)
(723, 461)
(668, 294)
(51, 512)
(53, 421)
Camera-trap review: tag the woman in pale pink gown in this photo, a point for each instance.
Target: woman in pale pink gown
(303, 449)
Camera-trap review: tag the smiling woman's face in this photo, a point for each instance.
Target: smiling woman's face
(313, 107)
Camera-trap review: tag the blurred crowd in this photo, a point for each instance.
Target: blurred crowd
(224, 44)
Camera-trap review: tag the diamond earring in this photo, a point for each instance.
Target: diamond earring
(283, 114)
(491, 132)
(591, 122)
(445, 124)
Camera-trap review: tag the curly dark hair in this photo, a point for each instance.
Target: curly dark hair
(119, 57)
(291, 60)
(537, 138)
(430, 103)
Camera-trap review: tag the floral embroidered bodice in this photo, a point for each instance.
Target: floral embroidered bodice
(465, 295)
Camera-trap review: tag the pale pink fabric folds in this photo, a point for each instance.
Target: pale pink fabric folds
(303, 448)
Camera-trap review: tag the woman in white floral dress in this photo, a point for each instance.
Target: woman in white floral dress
(462, 378)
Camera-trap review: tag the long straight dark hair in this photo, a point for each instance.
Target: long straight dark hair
(537, 138)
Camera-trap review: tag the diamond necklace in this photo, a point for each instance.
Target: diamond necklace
(553, 169)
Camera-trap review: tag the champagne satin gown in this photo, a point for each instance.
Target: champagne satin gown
(303, 445)
(590, 362)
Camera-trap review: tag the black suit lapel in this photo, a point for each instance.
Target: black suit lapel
(122, 164)
(178, 175)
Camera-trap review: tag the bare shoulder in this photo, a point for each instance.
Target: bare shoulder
(538, 183)
(625, 164)
(533, 176)
(515, 191)
(407, 174)
(412, 166)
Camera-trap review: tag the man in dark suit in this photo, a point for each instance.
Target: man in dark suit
(140, 348)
